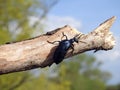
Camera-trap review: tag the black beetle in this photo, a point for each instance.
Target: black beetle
(63, 47)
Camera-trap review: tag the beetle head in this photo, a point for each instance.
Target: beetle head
(77, 37)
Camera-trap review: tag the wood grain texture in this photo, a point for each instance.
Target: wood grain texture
(37, 52)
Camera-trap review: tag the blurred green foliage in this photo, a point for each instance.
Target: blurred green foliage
(79, 73)
(11, 81)
(15, 18)
(113, 87)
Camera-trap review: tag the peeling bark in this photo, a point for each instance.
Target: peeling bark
(37, 52)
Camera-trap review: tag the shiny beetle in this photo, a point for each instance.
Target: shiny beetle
(63, 47)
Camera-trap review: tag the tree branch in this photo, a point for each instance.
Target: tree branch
(37, 52)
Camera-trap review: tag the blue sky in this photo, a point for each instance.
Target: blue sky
(86, 15)
(90, 12)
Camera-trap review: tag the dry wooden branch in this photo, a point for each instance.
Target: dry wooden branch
(37, 52)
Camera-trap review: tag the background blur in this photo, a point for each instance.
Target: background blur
(23, 19)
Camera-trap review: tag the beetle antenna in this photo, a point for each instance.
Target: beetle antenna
(78, 36)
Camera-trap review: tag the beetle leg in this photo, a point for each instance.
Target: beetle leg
(72, 47)
(64, 35)
(53, 42)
